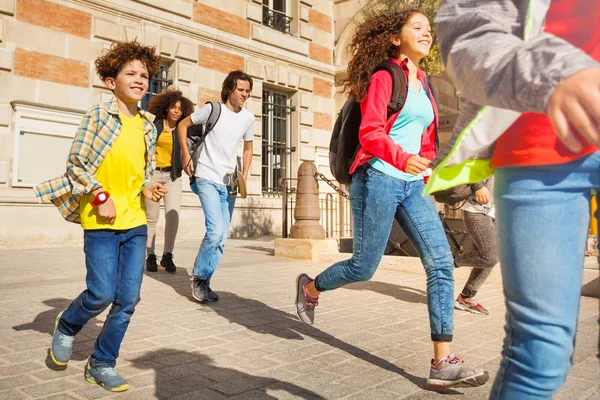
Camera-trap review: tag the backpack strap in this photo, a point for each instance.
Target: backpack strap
(399, 86)
(213, 118)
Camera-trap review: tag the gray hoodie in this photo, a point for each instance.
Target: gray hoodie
(498, 56)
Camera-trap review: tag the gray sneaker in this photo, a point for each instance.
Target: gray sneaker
(106, 377)
(61, 346)
(305, 304)
(452, 372)
(212, 296)
(200, 290)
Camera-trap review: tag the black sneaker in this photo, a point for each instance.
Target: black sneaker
(151, 263)
(167, 262)
(200, 290)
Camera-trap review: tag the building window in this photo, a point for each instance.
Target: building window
(275, 15)
(276, 110)
(159, 83)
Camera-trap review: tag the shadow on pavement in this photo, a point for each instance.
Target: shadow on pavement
(194, 376)
(402, 293)
(259, 317)
(44, 323)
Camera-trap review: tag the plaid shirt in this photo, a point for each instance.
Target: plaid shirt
(95, 136)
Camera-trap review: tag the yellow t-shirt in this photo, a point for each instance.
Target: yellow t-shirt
(164, 149)
(121, 174)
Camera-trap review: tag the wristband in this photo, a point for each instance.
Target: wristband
(100, 198)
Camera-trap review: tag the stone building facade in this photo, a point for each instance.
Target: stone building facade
(48, 81)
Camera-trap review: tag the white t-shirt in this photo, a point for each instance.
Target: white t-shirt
(221, 146)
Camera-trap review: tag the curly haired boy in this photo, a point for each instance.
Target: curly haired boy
(108, 171)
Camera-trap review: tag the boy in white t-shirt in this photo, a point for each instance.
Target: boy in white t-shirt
(217, 158)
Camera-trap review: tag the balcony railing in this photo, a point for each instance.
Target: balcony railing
(276, 20)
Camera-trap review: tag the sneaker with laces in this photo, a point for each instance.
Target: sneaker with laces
(151, 263)
(167, 263)
(451, 371)
(106, 377)
(470, 304)
(200, 290)
(61, 346)
(305, 303)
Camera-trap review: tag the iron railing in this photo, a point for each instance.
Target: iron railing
(334, 208)
(275, 139)
(276, 20)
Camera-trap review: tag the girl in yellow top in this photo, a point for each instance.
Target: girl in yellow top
(169, 107)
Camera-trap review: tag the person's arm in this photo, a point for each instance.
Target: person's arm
(78, 168)
(491, 64)
(182, 128)
(372, 135)
(247, 158)
(247, 152)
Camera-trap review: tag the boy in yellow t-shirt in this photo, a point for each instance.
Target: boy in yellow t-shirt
(108, 170)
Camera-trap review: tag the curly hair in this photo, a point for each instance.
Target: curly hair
(159, 104)
(370, 46)
(109, 64)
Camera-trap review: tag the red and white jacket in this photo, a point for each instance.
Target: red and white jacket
(374, 132)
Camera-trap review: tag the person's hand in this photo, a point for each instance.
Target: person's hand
(154, 191)
(107, 212)
(574, 109)
(188, 165)
(483, 195)
(415, 165)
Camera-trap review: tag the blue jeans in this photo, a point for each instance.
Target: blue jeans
(542, 220)
(217, 205)
(376, 199)
(115, 265)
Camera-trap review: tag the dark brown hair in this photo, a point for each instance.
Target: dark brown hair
(371, 45)
(159, 104)
(230, 83)
(109, 64)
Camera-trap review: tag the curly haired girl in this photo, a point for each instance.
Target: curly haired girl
(169, 108)
(388, 181)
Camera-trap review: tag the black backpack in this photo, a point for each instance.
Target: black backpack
(197, 136)
(453, 195)
(344, 143)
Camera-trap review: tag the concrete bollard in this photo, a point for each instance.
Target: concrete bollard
(307, 213)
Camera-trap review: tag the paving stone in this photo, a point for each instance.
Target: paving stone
(250, 344)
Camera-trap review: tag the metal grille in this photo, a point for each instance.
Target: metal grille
(275, 19)
(157, 85)
(275, 140)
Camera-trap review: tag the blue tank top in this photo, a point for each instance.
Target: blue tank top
(415, 117)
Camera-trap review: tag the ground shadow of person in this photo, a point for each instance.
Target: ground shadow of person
(44, 323)
(195, 376)
(261, 318)
(402, 293)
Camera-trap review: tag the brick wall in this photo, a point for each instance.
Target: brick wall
(322, 121)
(50, 68)
(219, 60)
(320, 53)
(320, 21)
(321, 87)
(205, 95)
(221, 20)
(55, 16)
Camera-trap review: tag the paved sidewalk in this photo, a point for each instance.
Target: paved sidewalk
(370, 340)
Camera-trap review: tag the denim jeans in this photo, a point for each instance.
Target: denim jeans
(217, 205)
(115, 265)
(542, 220)
(485, 256)
(376, 199)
